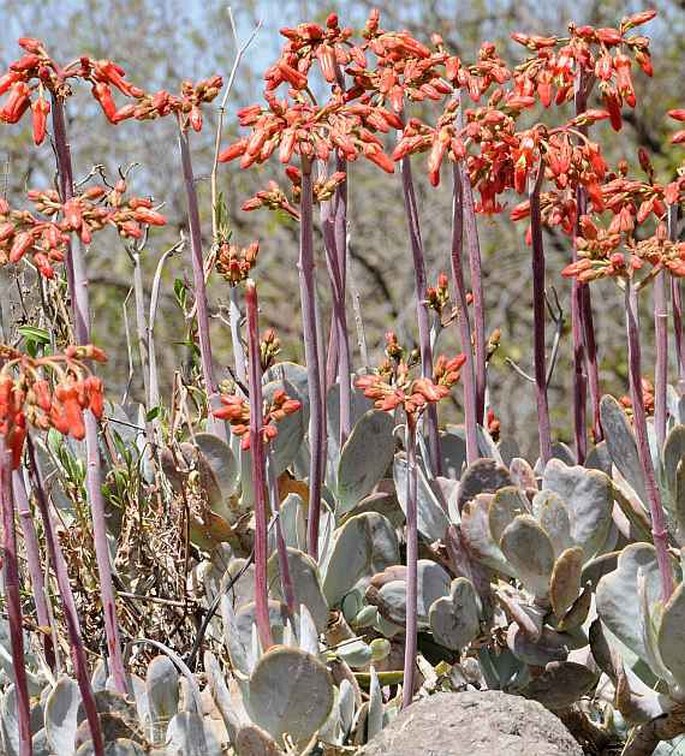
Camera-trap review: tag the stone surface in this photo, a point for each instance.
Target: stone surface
(486, 723)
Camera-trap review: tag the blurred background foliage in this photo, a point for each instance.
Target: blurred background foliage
(159, 43)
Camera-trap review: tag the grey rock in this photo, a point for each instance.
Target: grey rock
(485, 723)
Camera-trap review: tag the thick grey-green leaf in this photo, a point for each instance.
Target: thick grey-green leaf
(218, 467)
(453, 450)
(186, 736)
(553, 515)
(565, 582)
(291, 429)
(162, 687)
(522, 474)
(454, 619)
(589, 500)
(674, 453)
(364, 545)
(617, 595)
(509, 502)
(431, 518)
(290, 692)
(433, 581)
(483, 476)
(621, 444)
(61, 710)
(479, 541)
(671, 635)
(529, 550)
(306, 584)
(364, 458)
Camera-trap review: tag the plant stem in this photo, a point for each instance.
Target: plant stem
(258, 477)
(659, 532)
(544, 432)
(475, 269)
(281, 548)
(34, 566)
(411, 629)
(10, 576)
(585, 365)
(412, 212)
(78, 289)
(661, 362)
(195, 232)
(311, 351)
(78, 652)
(338, 363)
(467, 374)
(676, 299)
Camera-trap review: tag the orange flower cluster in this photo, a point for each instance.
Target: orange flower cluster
(35, 73)
(311, 131)
(237, 412)
(438, 296)
(47, 240)
(622, 248)
(598, 53)
(47, 392)
(678, 115)
(393, 386)
(235, 263)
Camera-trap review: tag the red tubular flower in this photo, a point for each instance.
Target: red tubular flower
(17, 103)
(40, 109)
(103, 94)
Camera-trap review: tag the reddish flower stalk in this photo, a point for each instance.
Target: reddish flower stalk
(676, 299)
(311, 352)
(258, 468)
(420, 282)
(195, 232)
(475, 268)
(338, 358)
(411, 599)
(659, 532)
(78, 289)
(661, 362)
(10, 569)
(281, 547)
(468, 375)
(540, 370)
(582, 326)
(34, 567)
(78, 652)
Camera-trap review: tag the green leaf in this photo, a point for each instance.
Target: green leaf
(31, 333)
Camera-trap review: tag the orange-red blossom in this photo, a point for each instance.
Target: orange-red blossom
(413, 395)
(47, 392)
(237, 412)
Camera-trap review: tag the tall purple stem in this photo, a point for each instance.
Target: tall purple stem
(476, 274)
(659, 532)
(539, 356)
(258, 467)
(338, 358)
(676, 300)
(411, 627)
(34, 566)
(661, 363)
(311, 352)
(10, 575)
(412, 212)
(467, 374)
(585, 366)
(78, 652)
(195, 233)
(78, 288)
(287, 587)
